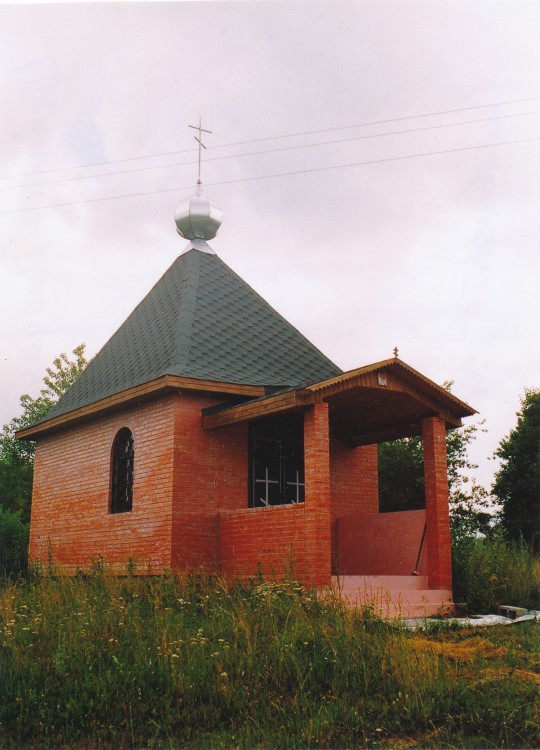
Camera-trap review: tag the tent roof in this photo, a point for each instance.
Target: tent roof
(200, 321)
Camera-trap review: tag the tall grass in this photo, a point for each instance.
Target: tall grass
(489, 571)
(99, 662)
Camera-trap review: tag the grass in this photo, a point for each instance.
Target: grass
(102, 662)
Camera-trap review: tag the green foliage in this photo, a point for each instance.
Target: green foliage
(401, 479)
(401, 475)
(517, 483)
(105, 662)
(493, 570)
(13, 545)
(17, 456)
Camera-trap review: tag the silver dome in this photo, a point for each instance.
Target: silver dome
(197, 218)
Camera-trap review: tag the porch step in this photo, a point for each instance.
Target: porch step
(383, 582)
(394, 596)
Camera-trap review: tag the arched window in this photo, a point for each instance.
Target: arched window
(122, 472)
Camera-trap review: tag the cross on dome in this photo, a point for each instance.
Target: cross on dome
(197, 218)
(201, 130)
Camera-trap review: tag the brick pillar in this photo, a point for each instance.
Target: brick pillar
(317, 504)
(437, 515)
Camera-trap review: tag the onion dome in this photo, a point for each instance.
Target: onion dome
(197, 218)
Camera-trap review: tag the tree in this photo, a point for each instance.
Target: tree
(401, 475)
(401, 479)
(17, 456)
(517, 483)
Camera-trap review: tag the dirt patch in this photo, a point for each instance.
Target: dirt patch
(501, 673)
(461, 651)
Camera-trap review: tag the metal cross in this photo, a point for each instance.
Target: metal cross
(395, 351)
(267, 482)
(297, 484)
(201, 130)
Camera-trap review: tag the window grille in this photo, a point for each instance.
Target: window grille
(122, 472)
(276, 461)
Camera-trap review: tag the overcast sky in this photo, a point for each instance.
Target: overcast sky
(368, 245)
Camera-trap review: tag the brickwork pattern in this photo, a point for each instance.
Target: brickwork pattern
(318, 495)
(438, 542)
(71, 523)
(354, 479)
(271, 541)
(210, 476)
(190, 494)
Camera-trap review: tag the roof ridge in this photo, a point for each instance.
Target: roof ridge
(190, 290)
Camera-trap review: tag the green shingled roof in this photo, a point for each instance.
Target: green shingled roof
(200, 320)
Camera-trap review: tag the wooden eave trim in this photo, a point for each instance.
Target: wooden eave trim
(397, 385)
(345, 377)
(449, 406)
(256, 409)
(400, 379)
(152, 388)
(386, 433)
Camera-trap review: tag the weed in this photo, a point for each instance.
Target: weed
(189, 661)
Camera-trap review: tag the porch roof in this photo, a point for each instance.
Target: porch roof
(382, 401)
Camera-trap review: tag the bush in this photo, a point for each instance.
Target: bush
(493, 570)
(13, 545)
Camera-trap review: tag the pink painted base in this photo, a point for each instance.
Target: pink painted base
(381, 544)
(393, 597)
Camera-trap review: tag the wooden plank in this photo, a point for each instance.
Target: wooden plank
(255, 410)
(396, 371)
(397, 385)
(390, 432)
(213, 386)
(150, 389)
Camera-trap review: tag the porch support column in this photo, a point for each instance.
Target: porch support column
(437, 514)
(318, 562)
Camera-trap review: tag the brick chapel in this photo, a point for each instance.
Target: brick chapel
(209, 435)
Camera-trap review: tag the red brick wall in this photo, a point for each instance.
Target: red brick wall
(271, 540)
(70, 506)
(354, 479)
(287, 540)
(318, 552)
(437, 514)
(210, 475)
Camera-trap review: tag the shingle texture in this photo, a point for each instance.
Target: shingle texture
(200, 320)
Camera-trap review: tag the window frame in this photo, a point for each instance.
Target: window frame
(278, 474)
(122, 472)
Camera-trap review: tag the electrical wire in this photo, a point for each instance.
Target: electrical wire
(268, 151)
(275, 137)
(272, 176)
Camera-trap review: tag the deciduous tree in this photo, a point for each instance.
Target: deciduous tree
(17, 456)
(517, 483)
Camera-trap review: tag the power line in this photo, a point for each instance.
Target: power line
(274, 137)
(385, 122)
(269, 151)
(271, 176)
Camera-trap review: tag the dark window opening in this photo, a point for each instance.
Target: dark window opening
(276, 461)
(122, 472)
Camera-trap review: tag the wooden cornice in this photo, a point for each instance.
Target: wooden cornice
(385, 433)
(255, 409)
(159, 386)
(398, 378)
(423, 388)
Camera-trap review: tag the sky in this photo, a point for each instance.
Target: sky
(376, 162)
